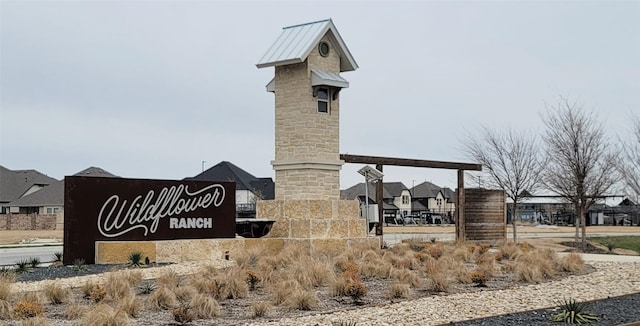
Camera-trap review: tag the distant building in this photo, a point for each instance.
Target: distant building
(249, 188)
(17, 184)
(48, 199)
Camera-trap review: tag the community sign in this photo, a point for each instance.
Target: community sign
(119, 209)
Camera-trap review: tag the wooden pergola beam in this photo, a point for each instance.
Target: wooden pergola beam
(378, 160)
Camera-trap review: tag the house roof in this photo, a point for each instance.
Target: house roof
(296, 42)
(228, 172)
(389, 191)
(53, 195)
(14, 183)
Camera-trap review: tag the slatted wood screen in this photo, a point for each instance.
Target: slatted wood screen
(485, 215)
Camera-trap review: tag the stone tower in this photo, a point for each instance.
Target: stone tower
(308, 60)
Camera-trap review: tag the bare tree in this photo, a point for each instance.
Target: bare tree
(629, 163)
(511, 160)
(581, 165)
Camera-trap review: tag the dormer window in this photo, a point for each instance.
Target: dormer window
(323, 100)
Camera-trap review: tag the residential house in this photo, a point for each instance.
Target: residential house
(248, 187)
(16, 184)
(49, 199)
(429, 199)
(396, 198)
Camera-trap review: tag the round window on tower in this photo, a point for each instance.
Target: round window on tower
(323, 48)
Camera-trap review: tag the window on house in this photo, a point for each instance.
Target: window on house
(323, 100)
(405, 199)
(52, 210)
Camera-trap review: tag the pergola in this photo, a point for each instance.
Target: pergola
(380, 162)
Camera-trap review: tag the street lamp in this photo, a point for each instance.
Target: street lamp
(370, 174)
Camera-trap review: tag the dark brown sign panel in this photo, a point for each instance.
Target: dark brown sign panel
(119, 209)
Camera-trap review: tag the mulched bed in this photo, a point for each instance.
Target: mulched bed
(612, 311)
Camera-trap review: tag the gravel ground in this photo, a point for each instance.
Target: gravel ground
(58, 272)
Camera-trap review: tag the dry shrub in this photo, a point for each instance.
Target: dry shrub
(572, 262)
(311, 272)
(134, 277)
(75, 311)
(406, 276)
(104, 315)
(6, 282)
(463, 252)
(252, 279)
(27, 309)
(525, 272)
(169, 279)
(117, 285)
(86, 288)
(182, 314)
(438, 277)
(32, 297)
(56, 294)
(5, 309)
(456, 268)
(162, 299)
(408, 260)
(371, 255)
(482, 248)
(378, 268)
(399, 291)
(351, 270)
(185, 293)
(508, 250)
(205, 307)
(479, 277)
(249, 258)
(415, 243)
(435, 250)
(236, 285)
(281, 290)
(339, 286)
(525, 247)
(97, 293)
(536, 265)
(259, 309)
(131, 305)
(356, 289)
(301, 299)
(36, 321)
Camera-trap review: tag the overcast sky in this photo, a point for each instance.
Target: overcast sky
(150, 89)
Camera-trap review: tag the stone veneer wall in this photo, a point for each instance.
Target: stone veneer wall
(328, 226)
(28, 221)
(307, 154)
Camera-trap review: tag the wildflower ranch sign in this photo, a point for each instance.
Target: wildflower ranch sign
(119, 209)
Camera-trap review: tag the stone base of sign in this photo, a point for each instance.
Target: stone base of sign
(119, 251)
(327, 226)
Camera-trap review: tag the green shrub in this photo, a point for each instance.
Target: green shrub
(34, 262)
(135, 259)
(572, 312)
(22, 265)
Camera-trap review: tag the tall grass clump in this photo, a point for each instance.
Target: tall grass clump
(103, 315)
(205, 307)
(6, 281)
(75, 311)
(572, 263)
(259, 309)
(301, 299)
(56, 294)
(406, 276)
(131, 305)
(117, 285)
(399, 291)
(281, 291)
(27, 309)
(162, 299)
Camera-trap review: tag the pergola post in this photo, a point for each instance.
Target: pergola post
(379, 201)
(460, 202)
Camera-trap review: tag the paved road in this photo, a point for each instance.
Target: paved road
(9, 256)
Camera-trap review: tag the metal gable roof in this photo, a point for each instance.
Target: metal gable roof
(296, 42)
